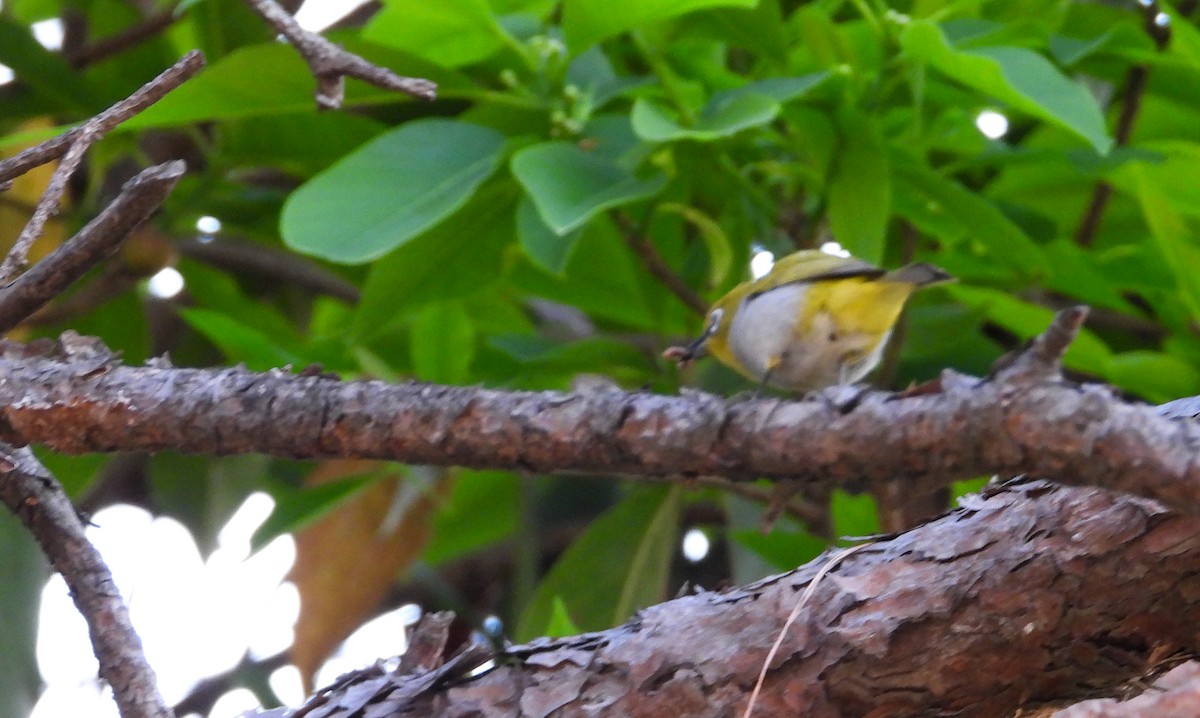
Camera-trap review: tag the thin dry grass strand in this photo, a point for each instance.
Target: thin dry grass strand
(804, 598)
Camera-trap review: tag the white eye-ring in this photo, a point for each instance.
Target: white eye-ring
(714, 320)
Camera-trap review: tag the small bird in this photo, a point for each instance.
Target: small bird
(815, 320)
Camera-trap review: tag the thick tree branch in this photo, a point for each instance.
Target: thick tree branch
(1019, 421)
(36, 497)
(331, 64)
(1033, 595)
(139, 198)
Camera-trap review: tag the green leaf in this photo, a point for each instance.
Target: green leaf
(621, 563)
(560, 623)
(544, 246)
(853, 515)
(272, 79)
(456, 258)
(781, 89)
(1154, 376)
(586, 22)
(43, 71)
(24, 570)
(240, 342)
(718, 119)
(569, 186)
(1087, 353)
(783, 550)
(443, 343)
(716, 241)
(390, 190)
(602, 279)
(457, 525)
(1172, 234)
(972, 216)
(860, 193)
(1015, 75)
(296, 508)
(448, 32)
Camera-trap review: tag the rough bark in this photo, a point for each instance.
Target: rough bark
(1038, 594)
(1020, 421)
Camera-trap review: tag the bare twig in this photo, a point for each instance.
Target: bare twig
(38, 500)
(139, 198)
(147, 95)
(71, 146)
(658, 266)
(123, 40)
(1135, 88)
(238, 256)
(331, 64)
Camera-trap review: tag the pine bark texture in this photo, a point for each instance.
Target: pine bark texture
(1036, 595)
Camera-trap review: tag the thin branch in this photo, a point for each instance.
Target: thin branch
(658, 266)
(239, 256)
(139, 198)
(1135, 89)
(331, 64)
(146, 96)
(121, 41)
(38, 500)
(1022, 420)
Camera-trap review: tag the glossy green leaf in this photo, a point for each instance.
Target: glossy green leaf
(443, 343)
(860, 193)
(654, 123)
(544, 246)
(569, 186)
(390, 190)
(1015, 75)
(621, 563)
(449, 32)
(457, 257)
(586, 22)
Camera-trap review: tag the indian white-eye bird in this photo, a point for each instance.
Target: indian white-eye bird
(815, 320)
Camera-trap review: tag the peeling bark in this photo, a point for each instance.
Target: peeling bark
(1036, 595)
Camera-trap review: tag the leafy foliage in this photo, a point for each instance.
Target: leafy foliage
(489, 236)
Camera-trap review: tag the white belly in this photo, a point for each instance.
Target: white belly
(762, 335)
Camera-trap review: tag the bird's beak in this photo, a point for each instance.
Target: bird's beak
(694, 350)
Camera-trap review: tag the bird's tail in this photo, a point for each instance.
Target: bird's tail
(920, 274)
